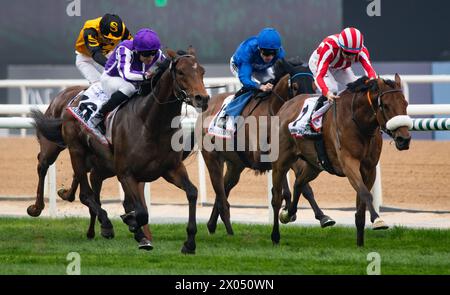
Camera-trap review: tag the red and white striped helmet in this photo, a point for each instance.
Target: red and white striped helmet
(351, 40)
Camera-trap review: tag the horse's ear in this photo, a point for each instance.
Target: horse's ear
(191, 50)
(171, 53)
(380, 82)
(398, 81)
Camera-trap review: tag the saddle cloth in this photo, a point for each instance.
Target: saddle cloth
(93, 99)
(231, 108)
(307, 121)
(220, 131)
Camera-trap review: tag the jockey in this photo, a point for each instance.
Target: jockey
(253, 60)
(331, 62)
(96, 40)
(131, 63)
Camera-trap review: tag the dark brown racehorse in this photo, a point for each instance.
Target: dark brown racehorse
(49, 152)
(291, 78)
(352, 139)
(142, 148)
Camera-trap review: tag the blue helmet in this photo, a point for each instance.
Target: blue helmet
(269, 38)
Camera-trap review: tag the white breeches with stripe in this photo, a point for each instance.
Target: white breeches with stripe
(112, 84)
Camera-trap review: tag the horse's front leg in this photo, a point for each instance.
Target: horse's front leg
(351, 168)
(180, 178)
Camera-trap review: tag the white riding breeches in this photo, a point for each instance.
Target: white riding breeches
(257, 76)
(88, 67)
(334, 78)
(112, 84)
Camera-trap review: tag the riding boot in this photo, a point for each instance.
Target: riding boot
(309, 131)
(97, 121)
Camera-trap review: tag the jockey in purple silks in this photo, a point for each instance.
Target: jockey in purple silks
(132, 62)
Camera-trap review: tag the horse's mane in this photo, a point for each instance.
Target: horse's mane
(294, 64)
(363, 84)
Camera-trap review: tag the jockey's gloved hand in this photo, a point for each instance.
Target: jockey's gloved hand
(266, 87)
(330, 96)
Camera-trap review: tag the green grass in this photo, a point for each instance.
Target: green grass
(40, 246)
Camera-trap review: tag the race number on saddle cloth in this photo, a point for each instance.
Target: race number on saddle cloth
(91, 101)
(224, 124)
(309, 122)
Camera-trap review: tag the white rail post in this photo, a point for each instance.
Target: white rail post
(51, 175)
(269, 196)
(24, 101)
(201, 179)
(377, 192)
(148, 198)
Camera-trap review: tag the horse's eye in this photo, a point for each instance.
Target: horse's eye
(180, 73)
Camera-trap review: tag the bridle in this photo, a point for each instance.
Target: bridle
(179, 93)
(375, 110)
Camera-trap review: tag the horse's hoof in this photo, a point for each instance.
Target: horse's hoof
(211, 228)
(62, 193)
(327, 221)
(33, 211)
(145, 244)
(187, 250)
(90, 235)
(379, 224)
(284, 217)
(107, 232)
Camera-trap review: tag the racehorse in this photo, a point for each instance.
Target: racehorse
(141, 150)
(49, 152)
(290, 78)
(352, 140)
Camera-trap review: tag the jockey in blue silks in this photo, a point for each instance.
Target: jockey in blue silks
(253, 64)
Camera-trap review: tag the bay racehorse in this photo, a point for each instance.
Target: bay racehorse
(352, 140)
(49, 152)
(142, 144)
(291, 78)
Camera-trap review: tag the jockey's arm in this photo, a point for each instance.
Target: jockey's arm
(91, 41)
(245, 76)
(124, 59)
(322, 69)
(364, 59)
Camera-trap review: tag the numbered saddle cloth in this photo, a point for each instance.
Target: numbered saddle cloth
(91, 101)
(308, 122)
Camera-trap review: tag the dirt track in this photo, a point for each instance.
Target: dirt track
(417, 179)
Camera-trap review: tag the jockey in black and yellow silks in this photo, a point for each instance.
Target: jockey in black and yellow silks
(96, 40)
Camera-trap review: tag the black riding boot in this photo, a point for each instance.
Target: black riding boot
(116, 99)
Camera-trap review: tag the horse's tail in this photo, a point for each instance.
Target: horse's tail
(50, 128)
(189, 144)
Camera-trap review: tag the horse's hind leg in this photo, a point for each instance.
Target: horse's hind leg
(96, 182)
(214, 163)
(180, 178)
(48, 154)
(231, 178)
(286, 192)
(69, 194)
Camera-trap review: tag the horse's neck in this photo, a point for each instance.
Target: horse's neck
(160, 106)
(362, 115)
